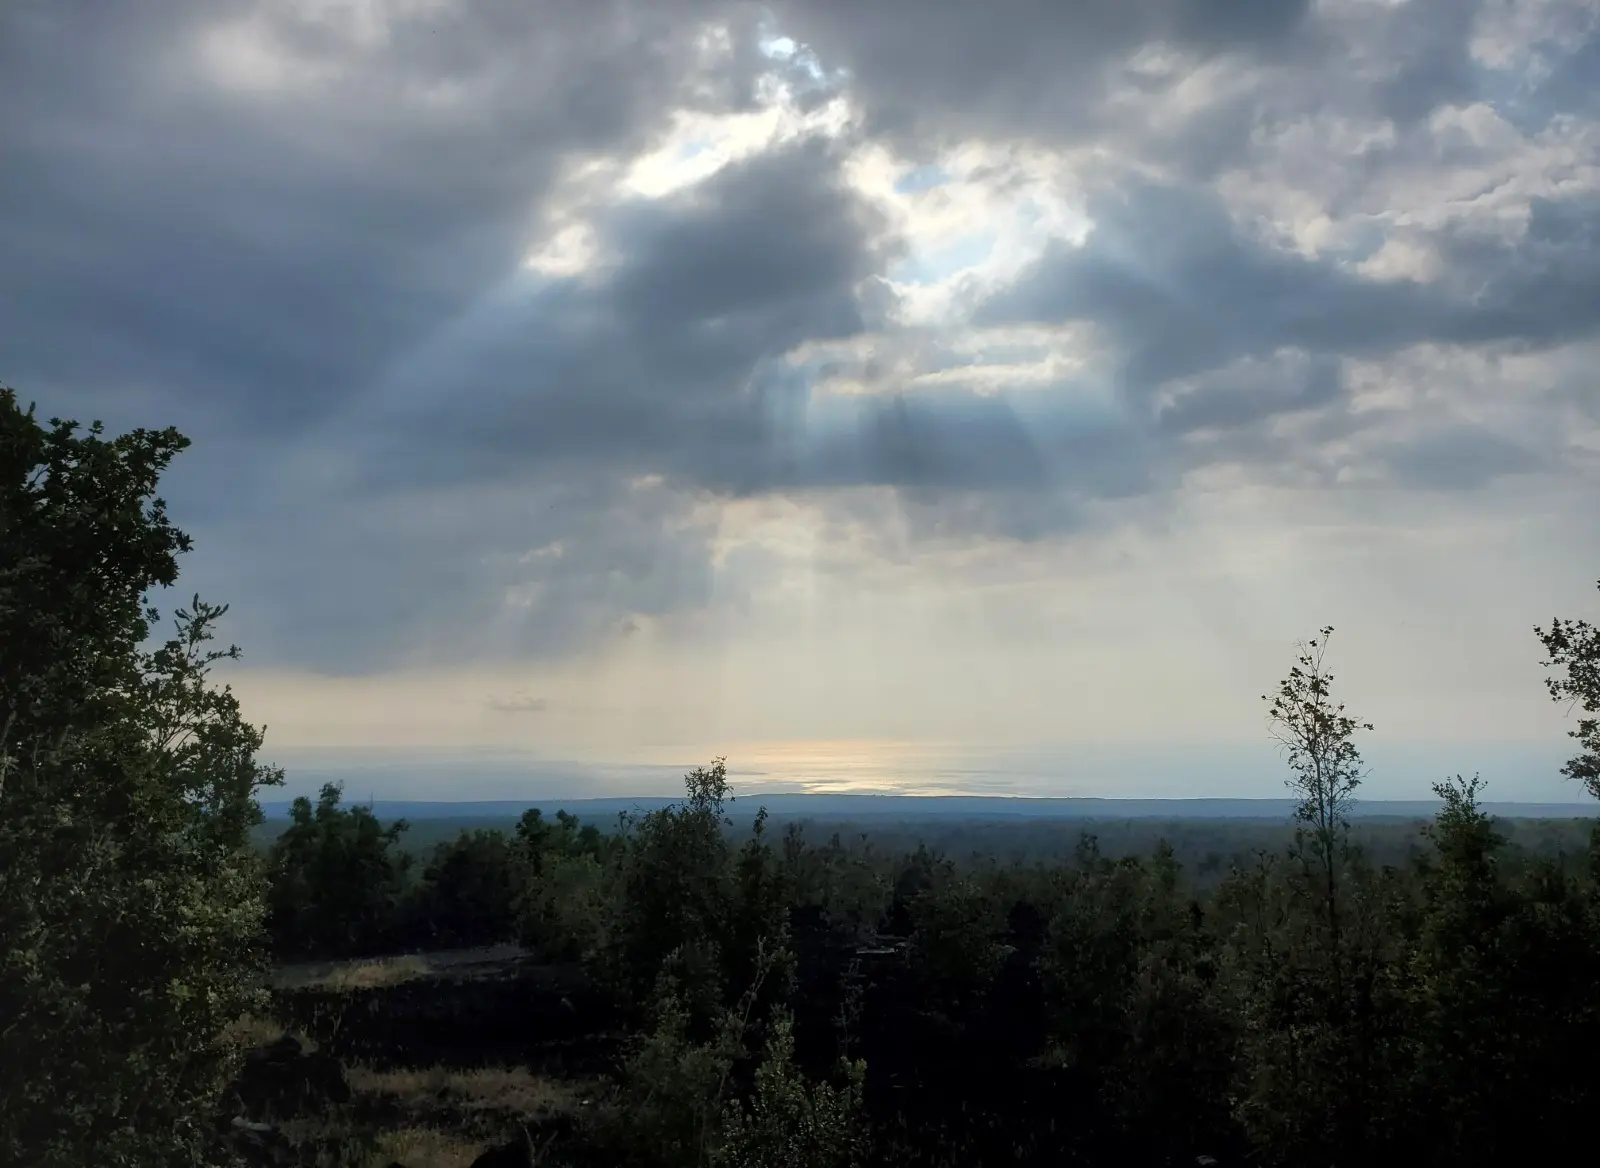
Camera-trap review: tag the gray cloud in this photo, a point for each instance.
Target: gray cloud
(273, 247)
(1429, 45)
(1017, 67)
(412, 448)
(1247, 393)
(1182, 293)
(518, 704)
(645, 370)
(1458, 458)
(1179, 289)
(1543, 290)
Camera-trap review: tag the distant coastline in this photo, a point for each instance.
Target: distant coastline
(922, 808)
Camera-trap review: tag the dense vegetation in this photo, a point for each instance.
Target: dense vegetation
(130, 900)
(789, 997)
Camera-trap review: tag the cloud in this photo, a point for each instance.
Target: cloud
(1178, 290)
(1019, 67)
(518, 704)
(1458, 459)
(490, 317)
(261, 199)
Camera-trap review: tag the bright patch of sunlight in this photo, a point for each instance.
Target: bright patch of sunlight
(569, 251)
(1024, 198)
(844, 766)
(700, 145)
(695, 147)
(983, 361)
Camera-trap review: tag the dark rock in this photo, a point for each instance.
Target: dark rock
(281, 1078)
(551, 1129)
(324, 1076)
(513, 1014)
(260, 1145)
(280, 1049)
(517, 1153)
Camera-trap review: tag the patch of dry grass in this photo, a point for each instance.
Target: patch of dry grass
(426, 1147)
(514, 1090)
(331, 1141)
(375, 974)
(252, 1031)
(362, 973)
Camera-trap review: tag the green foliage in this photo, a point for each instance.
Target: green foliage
(337, 879)
(847, 884)
(683, 1106)
(1497, 1016)
(681, 893)
(130, 900)
(674, 882)
(1313, 956)
(678, 1084)
(1318, 739)
(1460, 968)
(955, 942)
(468, 893)
(562, 913)
(758, 913)
(568, 883)
(1130, 966)
(1574, 646)
(541, 840)
(791, 1122)
(1316, 1041)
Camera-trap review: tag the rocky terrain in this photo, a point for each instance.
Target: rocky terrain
(476, 1059)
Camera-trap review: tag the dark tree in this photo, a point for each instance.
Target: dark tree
(468, 893)
(1318, 740)
(130, 900)
(337, 879)
(1574, 646)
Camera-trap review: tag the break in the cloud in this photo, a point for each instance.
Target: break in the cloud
(1008, 374)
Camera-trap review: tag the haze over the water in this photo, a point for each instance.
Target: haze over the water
(931, 397)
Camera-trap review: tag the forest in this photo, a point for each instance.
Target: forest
(669, 991)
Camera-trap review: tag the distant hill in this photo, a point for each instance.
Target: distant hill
(924, 808)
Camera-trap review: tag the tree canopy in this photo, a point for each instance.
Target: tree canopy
(130, 900)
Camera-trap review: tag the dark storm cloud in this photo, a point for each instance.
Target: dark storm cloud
(1543, 290)
(1016, 67)
(645, 370)
(956, 441)
(411, 448)
(1456, 458)
(1429, 46)
(713, 260)
(505, 475)
(474, 574)
(1244, 394)
(1183, 294)
(1181, 291)
(271, 247)
(249, 265)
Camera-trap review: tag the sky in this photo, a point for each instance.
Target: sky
(905, 395)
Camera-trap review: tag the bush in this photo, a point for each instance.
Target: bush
(790, 1122)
